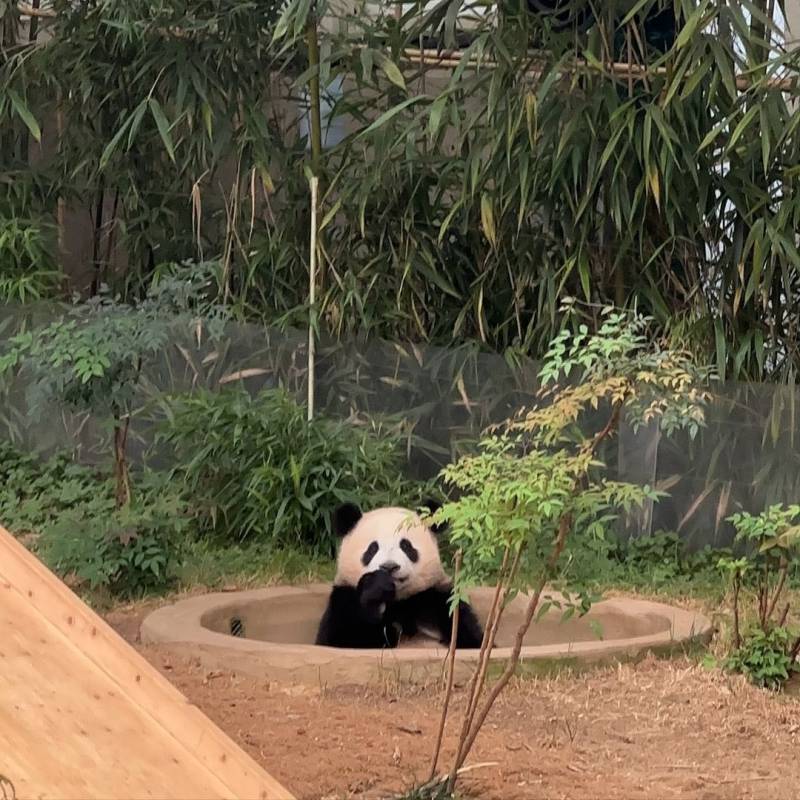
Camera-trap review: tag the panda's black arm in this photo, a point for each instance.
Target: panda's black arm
(348, 623)
(433, 606)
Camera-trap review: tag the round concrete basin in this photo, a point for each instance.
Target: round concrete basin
(270, 633)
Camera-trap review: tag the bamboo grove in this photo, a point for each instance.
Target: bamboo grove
(489, 174)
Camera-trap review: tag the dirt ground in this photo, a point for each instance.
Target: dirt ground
(655, 730)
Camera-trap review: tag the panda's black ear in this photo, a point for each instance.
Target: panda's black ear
(345, 518)
(433, 506)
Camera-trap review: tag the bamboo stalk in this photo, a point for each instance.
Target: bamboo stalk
(312, 291)
(737, 638)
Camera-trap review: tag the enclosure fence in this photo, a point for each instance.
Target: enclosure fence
(440, 400)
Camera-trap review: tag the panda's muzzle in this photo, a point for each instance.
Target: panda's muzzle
(390, 566)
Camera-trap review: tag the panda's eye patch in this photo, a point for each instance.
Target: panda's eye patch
(409, 550)
(369, 553)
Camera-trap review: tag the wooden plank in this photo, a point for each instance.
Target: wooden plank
(59, 662)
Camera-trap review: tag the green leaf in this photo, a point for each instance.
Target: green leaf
(437, 110)
(25, 114)
(366, 57)
(136, 120)
(109, 149)
(690, 26)
(163, 126)
(392, 72)
(391, 113)
(596, 628)
(585, 276)
(749, 116)
(764, 134)
(722, 350)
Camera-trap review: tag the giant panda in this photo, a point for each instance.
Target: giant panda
(390, 583)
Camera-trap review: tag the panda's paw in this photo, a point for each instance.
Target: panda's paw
(376, 590)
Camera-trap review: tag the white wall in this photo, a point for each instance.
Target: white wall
(793, 20)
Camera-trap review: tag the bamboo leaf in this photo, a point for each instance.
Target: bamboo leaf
(722, 355)
(748, 117)
(332, 211)
(163, 126)
(652, 179)
(585, 276)
(136, 121)
(437, 111)
(764, 134)
(392, 72)
(487, 219)
(109, 149)
(391, 114)
(24, 113)
(690, 26)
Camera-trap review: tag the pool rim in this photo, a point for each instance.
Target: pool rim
(180, 623)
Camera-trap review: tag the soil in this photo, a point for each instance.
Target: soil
(659, 729)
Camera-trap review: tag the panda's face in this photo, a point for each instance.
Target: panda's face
(392, 539)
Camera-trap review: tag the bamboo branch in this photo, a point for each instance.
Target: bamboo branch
(538, 68)
(27, 10)
(453, 58)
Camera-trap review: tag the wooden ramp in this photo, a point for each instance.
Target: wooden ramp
(84, 717)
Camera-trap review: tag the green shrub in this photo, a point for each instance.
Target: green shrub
(660, 559)
(126, 551)
(80, 533)
(765, 658)
(767, 654)
(256, 469)
(536, 482)
(659, 555)
(91, 358)
(34, 493)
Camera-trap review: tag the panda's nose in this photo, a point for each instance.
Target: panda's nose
(390, 566)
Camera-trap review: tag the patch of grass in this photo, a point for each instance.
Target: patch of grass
(241, 566)
(435, 791)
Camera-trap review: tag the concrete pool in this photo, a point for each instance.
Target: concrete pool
(269, 633)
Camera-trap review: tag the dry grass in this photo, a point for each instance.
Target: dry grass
(656, 730)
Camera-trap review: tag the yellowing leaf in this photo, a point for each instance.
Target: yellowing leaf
(655, 188)
(487, 219)
(393, 73)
